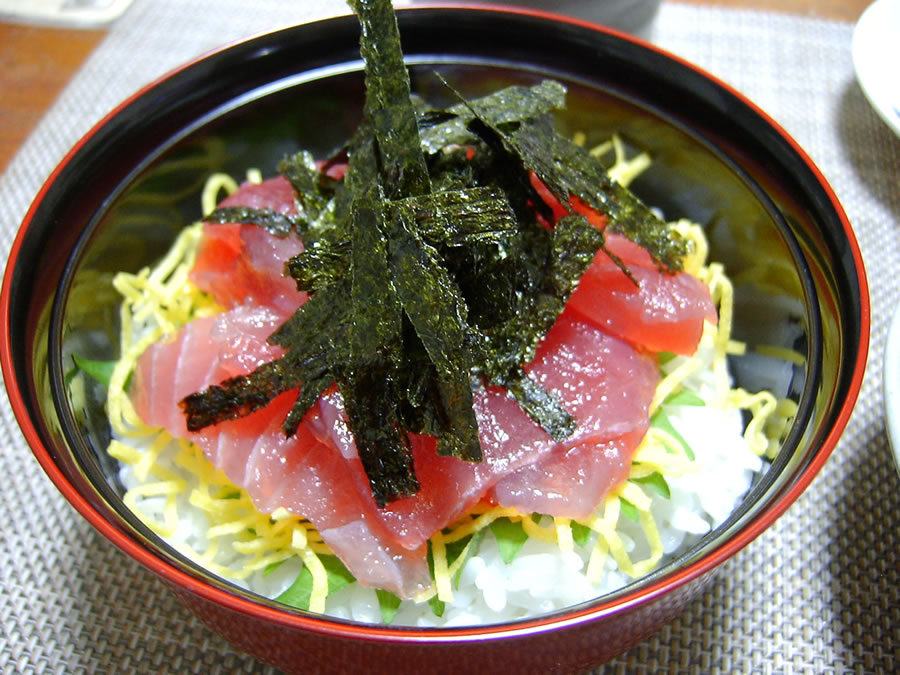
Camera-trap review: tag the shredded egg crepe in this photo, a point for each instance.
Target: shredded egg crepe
(193, 506)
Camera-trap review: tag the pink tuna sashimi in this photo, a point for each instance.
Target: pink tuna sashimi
(237, 264)
(316, 472)
(607, 386)
(665, 313)
(299, 473)
(604, 383)
(310, 478)
(205, 351)
(570, 481)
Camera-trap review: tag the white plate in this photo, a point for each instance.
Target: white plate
(64, 13)
(892, 386)
(876, 58)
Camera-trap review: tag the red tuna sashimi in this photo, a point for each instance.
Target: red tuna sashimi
(604, 383)
(664, 313)
(570, 481)
(313, 479)
(205, 351)
(237, 264)
(609, 393)
(299, 473)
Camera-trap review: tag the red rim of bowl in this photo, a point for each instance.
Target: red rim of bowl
(324, 625)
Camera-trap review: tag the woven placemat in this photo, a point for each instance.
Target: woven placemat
(816, 593)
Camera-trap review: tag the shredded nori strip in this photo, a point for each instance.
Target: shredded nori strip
(238, 396)
(537, 402)
(438, 129)
(461, 217)
(568, 169)
(573, 246)
(312, 188)
(388, 101)
(382, 444)
(452, 218)
(315, 338)
(430, 268)
(319, 265)
(437, 311)
(376, 345)
(276, 223)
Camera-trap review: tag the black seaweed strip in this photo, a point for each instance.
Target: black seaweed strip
(362, 171)
(540, 405)
(317, 320)
(376, 344)
(388, 103)
(274, 222)
(238, 396)
(459, 217)
(421, 409)
(574, 245)
(375, 312)
(568, 169)
(312, 188)
(515, 103)
(516, 340)
(437, 311)
(382, 444)
(507, 170)
(315, 339)
(319, 265)
(453, 169)
(309, 393)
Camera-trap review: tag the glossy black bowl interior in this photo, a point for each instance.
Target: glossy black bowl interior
(119, 200)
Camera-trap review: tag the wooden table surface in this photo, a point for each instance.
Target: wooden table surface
(36, 62)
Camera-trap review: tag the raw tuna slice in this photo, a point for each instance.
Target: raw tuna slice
(237, 264)
(604, 383)
(299, 473)
(311, 478)
(665, 313)
(570, 481)
(205, 351)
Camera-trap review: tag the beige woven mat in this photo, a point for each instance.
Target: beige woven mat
(817, 593)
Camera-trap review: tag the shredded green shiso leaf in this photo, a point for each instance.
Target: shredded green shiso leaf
(101, 371)
(299, 592)
(430, 268)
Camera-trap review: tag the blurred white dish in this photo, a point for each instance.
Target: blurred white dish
(875, 58)
(892, 386)
(63, 13)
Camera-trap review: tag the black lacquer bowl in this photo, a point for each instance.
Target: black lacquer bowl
(120, 196)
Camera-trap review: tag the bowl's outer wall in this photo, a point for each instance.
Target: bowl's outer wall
(117, 151)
